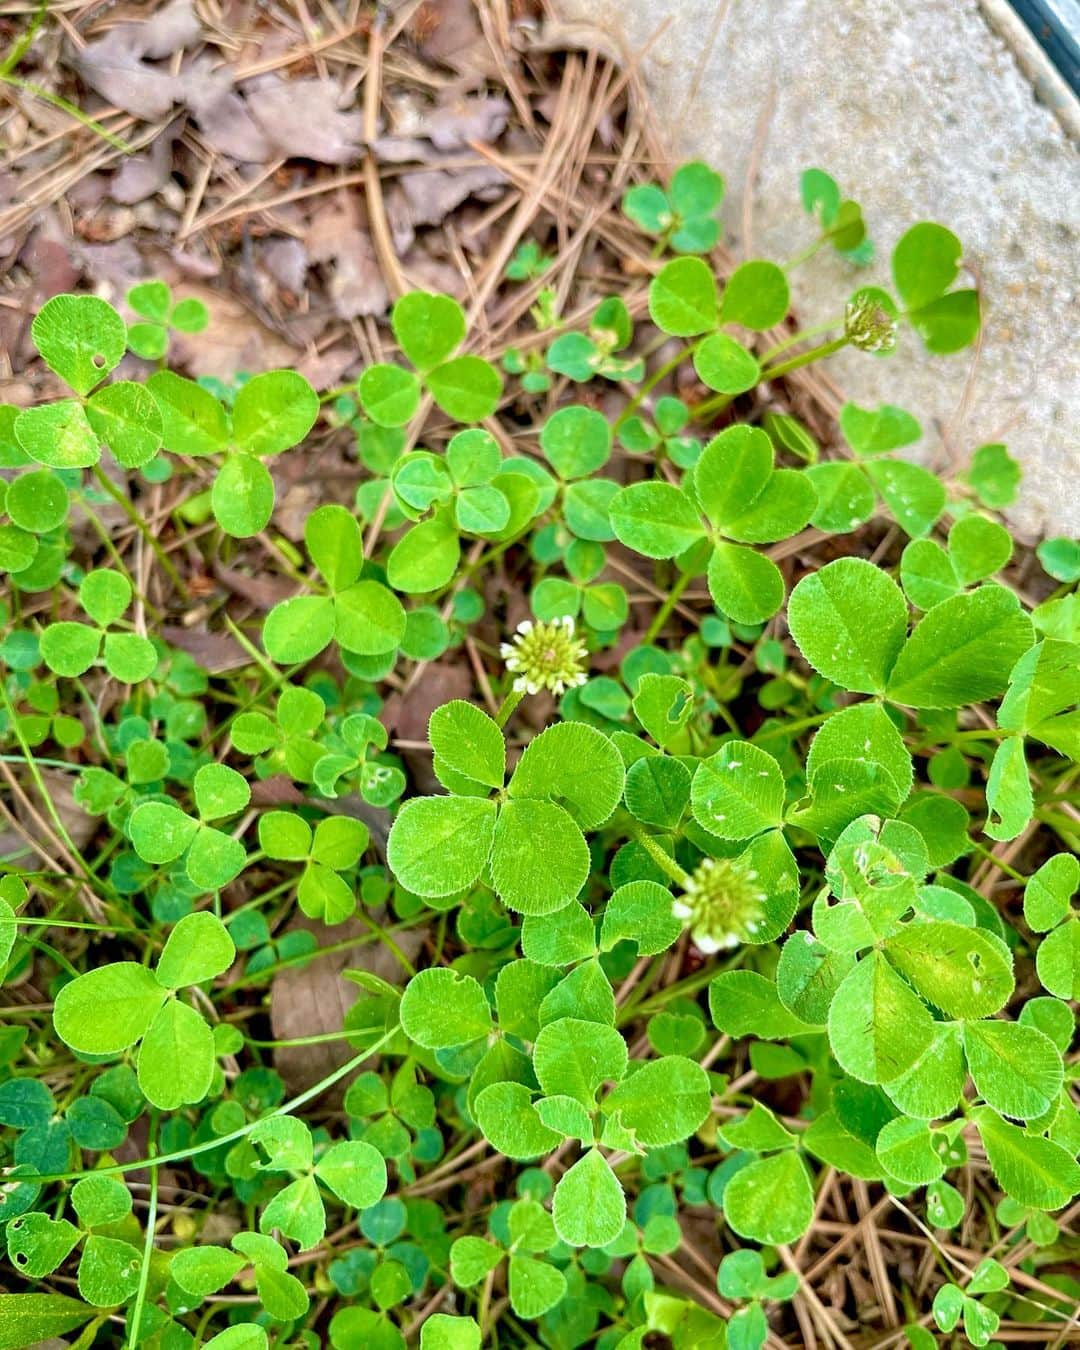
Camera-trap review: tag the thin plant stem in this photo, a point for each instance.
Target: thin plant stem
(129, 510)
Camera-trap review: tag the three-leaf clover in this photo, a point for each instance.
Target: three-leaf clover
(113, 1007)
(70, 649)
(468, 491)
(745, 500)
(161, 832)
(271, 412)
(581, 356)
(362, 616)
(841, 219)
(429, 330)
(527, 840)
(81, 339)
(534, 1286)
(334, 846)
(148, 337)
(848, 490)
(354, 1171)
(684, 216)
(204, 1270)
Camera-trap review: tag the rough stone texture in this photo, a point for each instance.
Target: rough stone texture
(919, 111)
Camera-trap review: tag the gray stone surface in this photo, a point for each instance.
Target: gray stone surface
(920, 111)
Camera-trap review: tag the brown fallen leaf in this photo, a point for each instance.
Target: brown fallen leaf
(312, 999)
(431, 194)
(452, 125)
(167, 30)
(301, 118)
(113, 67)
(286, 260)
(140, 176)
(217, 653)
(234, 339)
(355, 282)
(223, 117)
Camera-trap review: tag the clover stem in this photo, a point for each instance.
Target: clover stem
(180, 1154)
(148, 1245)
(507, 706)
(664, 612)
(128, 509)
(803, 359)
(664, 861)
(805, 254)
(654, 379)
(802, 336)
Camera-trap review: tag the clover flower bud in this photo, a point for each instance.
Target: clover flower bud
(723, 904)
(868, 324)
(546, 656)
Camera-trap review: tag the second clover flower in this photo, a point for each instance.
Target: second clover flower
(546, 656)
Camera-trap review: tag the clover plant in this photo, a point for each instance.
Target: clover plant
(636, 826)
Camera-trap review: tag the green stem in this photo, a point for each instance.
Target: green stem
(803, 336)
(56, 101)
(803, 359)
(129, 510)
(182, 1154)
(805, 254)
(654, 379)
(148, 1245)
(664, 612)
(507, 706)
(664, 861)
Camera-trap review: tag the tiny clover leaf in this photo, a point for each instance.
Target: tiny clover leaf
(840, 218)
(770, 1200)
(684, 217)
(70, 649)
(271, 412)
(161, 832)
(746, 501)
(80, 338)
(430, 329)
(580, 356)
(334, 846)
(109, 1009)
(925, 263)
(589, 1207)
(363, 616)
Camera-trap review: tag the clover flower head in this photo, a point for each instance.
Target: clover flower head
(868, 325)
(546, 656)
(723, 904)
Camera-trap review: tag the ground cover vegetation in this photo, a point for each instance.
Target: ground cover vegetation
(730, 928)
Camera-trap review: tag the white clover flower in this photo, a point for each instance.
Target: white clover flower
(546, 656)
(723, 904)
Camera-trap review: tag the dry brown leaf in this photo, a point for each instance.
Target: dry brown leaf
(168, 30)
(222, 116)
(301, 118)
(355, 283)
(215, 652)
(453, 125)
(113, 68)
(233, 340)
(140, 176)
(313, 999)
(431, 194)
(448, 31)
(286, 260)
